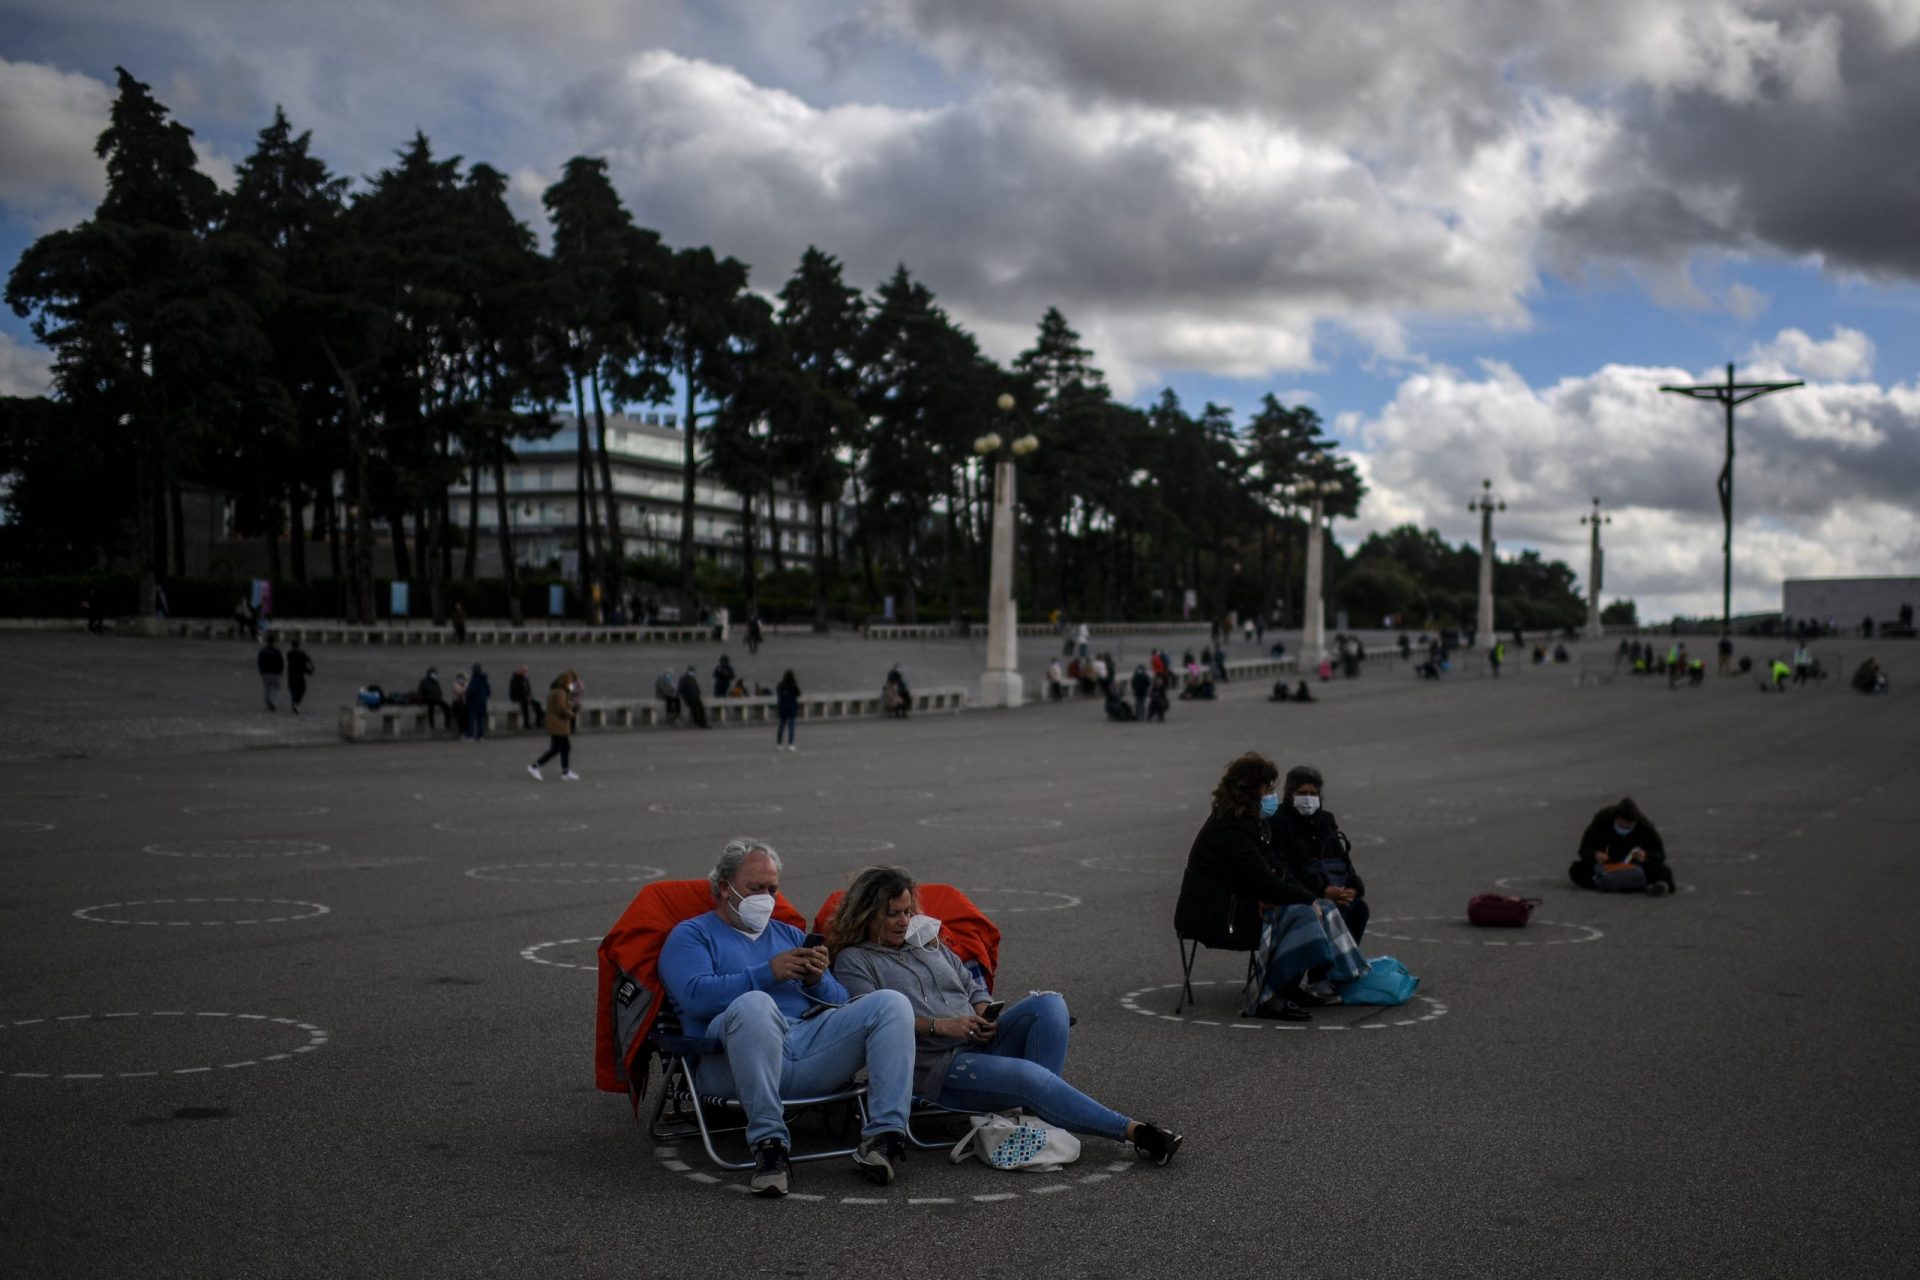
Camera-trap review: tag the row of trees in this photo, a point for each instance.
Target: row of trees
(353, 354)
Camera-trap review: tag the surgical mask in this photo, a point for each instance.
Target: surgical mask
(1269, 805)
(755, 912)
(1623, 831)
(1306, 806)
(923, 931)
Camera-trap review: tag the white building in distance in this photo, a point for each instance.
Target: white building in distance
(647, 457)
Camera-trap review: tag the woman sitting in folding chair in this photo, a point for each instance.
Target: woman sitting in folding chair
(1236, 884)
(964, 1059)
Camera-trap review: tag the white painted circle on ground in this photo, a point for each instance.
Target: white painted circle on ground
(16, 1039)
(1390, 1015)
(1723, 859)
(1125, 861)
(230, 911)
(822, 845)
(533, 953)
(566, 873)
(240, 808)
(241, 847)
(873, 793)
(989, 822)
(1027, 900)
(715, 808)
(1558, 882)
(1036, 1185)
(1369, 838)
(1586, 932)
(514, 825)
(23, 826)
(1129, 804)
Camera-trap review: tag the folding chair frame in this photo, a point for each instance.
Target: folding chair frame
(1190, 952)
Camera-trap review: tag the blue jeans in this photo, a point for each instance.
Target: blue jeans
(769, 1058)
(785, 730)
(1020, 1067)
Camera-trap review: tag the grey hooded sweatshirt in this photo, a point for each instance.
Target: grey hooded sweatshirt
(935, 982)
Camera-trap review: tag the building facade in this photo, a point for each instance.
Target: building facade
(1848, 601)
(647, 458)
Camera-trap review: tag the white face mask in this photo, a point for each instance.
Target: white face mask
(755, 913)
(923, 931)
(1306, 806)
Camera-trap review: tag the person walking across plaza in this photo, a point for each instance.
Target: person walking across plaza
(563, 703)
(299, 667)
(479, 690)
(271, 664)
(787, 704)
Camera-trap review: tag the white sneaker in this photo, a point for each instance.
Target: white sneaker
(534, 769)
(791, 747)
(570, 776)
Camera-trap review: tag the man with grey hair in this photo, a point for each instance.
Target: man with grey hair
(788, 1027)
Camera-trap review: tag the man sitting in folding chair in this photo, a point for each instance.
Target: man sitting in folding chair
(787, 1025)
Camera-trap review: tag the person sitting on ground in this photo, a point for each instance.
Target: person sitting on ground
(1117, 708)
(881, 942)
(1428, 670)
(1280, 692)
(1617, 843)
(1869, 678)
(1316, 854)
(1560, 653)
(667, 688)
(1779, 671)
(1304, 694)
(1237, 895)
(789, 1027)
(1697, 672)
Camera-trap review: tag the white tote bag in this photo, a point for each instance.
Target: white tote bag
(1012, 1140)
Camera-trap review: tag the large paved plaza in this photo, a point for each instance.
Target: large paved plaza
(328, 1010)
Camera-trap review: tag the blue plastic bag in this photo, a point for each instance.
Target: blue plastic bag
(1385, 982)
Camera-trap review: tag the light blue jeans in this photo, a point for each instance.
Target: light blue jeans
(1020, 1067)
(769, 1058)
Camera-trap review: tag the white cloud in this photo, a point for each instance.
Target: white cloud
(1824, 482)
(1848, 354)
(26, 369)
(48, 172)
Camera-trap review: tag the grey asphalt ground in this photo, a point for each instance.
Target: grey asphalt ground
(1720, 1083)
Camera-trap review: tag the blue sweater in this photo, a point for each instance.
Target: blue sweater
(707, 964)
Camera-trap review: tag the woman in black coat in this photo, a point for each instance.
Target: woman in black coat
(1619, 835)
(1232, 871)
(1315, 851)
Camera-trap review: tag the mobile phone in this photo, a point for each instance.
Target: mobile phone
(815, 940)
(993, 1011)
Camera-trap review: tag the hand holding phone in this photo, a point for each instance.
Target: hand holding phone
(993, 1011)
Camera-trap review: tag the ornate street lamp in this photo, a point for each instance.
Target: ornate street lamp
(1594, 629)
(1486, 504)
(1000, 684)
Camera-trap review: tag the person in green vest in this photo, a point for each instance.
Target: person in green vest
(1780, 671)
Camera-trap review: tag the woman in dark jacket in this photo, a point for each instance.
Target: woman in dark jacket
(1315, 851)
(1232, 874)
(787, 704)
(1620, 836)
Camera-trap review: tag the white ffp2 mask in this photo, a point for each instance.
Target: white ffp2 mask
(755, 913)
(1306, 806)
(923, 931)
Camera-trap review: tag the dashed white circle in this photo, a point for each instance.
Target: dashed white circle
(241, 808)
(1724, 859)
(1038, 1185)
(1131, 1003)
(24, 826)
(1450, 801)
(1586, 932)
(533, 953)
(1036, 900)
(1555, 882)
(1125, 861)
(715, 808)
(232, 911)
(989, 822)
(823, 845)
(567, 873)
(12, 1044)
(1130, 804)
(514, 825)
(241, 847)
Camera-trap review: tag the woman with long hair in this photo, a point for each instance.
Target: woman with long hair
(880, 941)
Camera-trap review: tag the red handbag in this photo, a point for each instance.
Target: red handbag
(1499, 910)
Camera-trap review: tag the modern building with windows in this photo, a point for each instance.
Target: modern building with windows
(646, 455)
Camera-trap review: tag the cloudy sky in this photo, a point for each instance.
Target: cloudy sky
(1476, 235)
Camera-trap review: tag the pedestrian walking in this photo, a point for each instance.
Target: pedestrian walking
(271, 664)
(787, 704)
(299, 667)
(520, 692)
(429, 695)
(754, 634)
(479, 690)
(1496, 655)
(563, 704)
(1726, 656)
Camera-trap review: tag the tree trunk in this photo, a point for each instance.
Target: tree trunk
(402, 560)
(471, 564)
(179, 530)
(296, 533)
(586, 528)
(508, 572)
(819, 568)
(688, 462)
(330, 509)
(615, 572)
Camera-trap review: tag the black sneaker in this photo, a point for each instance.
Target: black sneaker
(881, 1156)
(1659, 889)
(1156, 1144)
(772, 1171)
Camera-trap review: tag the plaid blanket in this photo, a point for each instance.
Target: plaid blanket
(1297, 940)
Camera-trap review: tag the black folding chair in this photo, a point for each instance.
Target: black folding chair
(1190, 952)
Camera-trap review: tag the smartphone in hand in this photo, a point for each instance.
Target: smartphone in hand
(815, 940)
(993, 1011)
